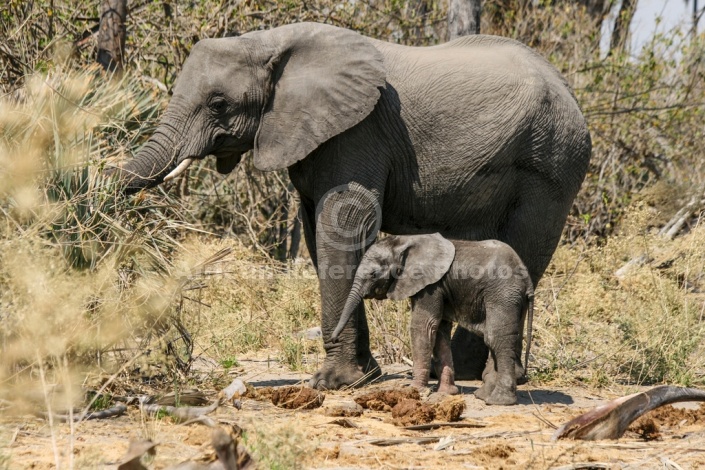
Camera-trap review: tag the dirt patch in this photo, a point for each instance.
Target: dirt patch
(385, 400)
(646, 429)
(198, 435)
(409, 412)
(496, 451)
(450, 409)
(670, 416)
(297, 398)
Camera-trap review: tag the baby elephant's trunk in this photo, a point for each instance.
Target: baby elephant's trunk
(354, 299)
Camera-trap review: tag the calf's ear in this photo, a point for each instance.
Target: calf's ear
(425, 260)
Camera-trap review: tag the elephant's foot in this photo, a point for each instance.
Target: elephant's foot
(424, 390)
(501, 396)
(334, 376)
(484, 392)
(469, 354)
(446, 382)
(448, 389)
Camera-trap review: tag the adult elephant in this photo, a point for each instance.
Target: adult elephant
(478, 138)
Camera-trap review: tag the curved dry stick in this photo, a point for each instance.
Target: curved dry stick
(102, 414)
(611, 420)
(182, 414)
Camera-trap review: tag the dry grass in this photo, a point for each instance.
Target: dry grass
(642, 328)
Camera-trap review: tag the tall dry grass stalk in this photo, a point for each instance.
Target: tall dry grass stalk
(85, 275)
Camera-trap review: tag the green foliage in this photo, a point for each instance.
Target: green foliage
(229, 362)
(102, 402)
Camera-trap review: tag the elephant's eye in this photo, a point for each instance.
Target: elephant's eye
(219, 105)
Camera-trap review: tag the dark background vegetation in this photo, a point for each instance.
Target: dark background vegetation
(644, 107)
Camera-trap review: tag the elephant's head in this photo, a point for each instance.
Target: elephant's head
(281, 92)
(397, 267)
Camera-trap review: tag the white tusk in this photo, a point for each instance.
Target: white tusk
(179, 169)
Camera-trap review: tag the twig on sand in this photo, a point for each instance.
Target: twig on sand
(466, 423)
(112, 412)
(404, 440)
(583, 465)
(184, 413)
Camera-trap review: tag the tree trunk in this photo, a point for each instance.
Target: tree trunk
(111, 37)
(620, 33)
(596, 9)
(696, 18)
(463, 18)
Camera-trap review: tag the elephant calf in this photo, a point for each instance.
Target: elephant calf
(482, 285)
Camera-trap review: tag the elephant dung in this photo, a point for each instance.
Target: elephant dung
(450, 409)
(409, 412)
(297, 398)
(385, 400)
(261, 394)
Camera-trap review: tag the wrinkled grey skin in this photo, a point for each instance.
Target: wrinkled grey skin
(481, 285)
(479, 138)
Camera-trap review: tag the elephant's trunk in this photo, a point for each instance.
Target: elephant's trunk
(354, 299)
(147, 169)
(157, 160)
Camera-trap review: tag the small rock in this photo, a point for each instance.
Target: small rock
(344, 410)
(235, 390)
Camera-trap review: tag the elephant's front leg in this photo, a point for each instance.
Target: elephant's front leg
(346, 222)
(426, 316)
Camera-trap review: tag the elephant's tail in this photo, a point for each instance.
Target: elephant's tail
(529, 329)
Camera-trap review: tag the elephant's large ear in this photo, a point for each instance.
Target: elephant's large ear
(325, 80)
(426, 259)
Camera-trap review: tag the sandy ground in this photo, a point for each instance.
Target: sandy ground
(512, 437)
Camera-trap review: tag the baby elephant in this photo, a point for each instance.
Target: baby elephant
(482, 285)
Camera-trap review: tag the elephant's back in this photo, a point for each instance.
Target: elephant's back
(475, 57)
(486, 117)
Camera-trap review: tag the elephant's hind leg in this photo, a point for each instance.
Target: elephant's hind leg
(444, 360)
(501, 332)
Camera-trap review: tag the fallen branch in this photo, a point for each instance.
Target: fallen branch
(344, 422)
(583, 465)
(431, 426)
(181, 414)
(112, 412)
(668, 231)
(403, 440)
(612, 419)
